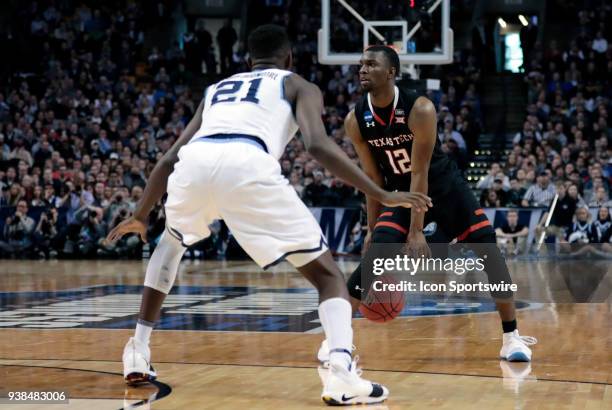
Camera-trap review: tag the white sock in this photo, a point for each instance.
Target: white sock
(335, 315)
(143, 331)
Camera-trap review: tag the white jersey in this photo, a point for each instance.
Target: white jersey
(252, 104)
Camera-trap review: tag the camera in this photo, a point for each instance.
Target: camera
(93, 214)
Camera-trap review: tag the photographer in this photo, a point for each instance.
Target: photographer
(92, 230)
(17, 232)
(71, 200)
(129, 245)
(45, 234)
(118, 201)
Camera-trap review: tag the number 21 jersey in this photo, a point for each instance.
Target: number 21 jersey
(390, 139)
(251, 103)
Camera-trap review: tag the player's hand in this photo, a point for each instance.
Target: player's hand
(416, 245)
(418, 201)
(130, 225)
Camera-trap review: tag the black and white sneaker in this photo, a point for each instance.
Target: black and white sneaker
(346, 387)
(137, 367)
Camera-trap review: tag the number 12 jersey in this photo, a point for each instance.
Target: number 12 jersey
(390, 139)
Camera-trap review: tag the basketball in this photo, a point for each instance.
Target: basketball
(384, 305)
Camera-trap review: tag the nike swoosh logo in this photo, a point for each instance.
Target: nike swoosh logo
(344, 398)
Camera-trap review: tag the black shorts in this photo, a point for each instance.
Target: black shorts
(457, 214)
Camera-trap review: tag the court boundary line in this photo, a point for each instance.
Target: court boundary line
(163, 389)
(304, 367)
(316, 330)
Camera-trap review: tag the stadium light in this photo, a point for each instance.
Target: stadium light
(502, 23)
(523, 20)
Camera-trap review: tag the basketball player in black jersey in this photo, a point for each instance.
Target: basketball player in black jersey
(395, 135)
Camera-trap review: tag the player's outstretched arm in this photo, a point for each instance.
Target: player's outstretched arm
(309, 107)
(351, 127)
(156, 184)
(422, 122)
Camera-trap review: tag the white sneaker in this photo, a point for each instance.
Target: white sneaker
(345, 387)
(137, 363)
(515, 347)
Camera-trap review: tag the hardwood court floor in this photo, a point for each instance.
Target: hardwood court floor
(428, 362)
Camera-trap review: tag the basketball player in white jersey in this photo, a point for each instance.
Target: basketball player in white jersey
(226, 167)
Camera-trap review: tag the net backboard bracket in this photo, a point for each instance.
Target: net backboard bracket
(326, 56)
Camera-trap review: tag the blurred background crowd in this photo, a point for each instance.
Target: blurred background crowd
(87, 108)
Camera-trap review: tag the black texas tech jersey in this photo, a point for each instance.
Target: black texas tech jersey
(390, 140)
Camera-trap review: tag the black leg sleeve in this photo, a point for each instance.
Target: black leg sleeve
(494, 262)
(382, 234)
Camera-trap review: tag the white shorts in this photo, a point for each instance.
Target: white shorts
(243, 185)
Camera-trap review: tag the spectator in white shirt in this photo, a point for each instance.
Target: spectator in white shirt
(449, 133)
(494, 173)
(599, 198)
(541, 194)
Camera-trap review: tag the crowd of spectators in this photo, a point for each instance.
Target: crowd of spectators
(79, 133)
(564, 145)
(83, 123)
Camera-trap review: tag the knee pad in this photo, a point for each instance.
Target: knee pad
(164, 263)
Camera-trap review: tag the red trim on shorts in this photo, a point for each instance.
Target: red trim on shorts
(479, 212)
(385, 214)
(392, 225)
(473, 228)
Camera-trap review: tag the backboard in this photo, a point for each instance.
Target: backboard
(419, 30)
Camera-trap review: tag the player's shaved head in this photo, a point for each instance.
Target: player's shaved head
(269, 41)
(390, 55)
(380, 66)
